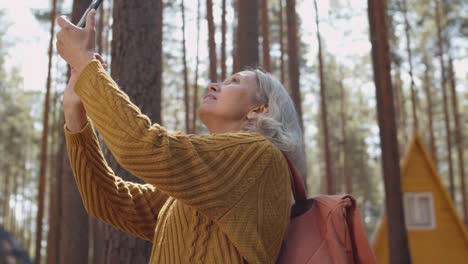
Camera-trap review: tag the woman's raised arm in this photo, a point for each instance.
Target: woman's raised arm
(131, 207)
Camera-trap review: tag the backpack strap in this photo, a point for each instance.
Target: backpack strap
(296, 182)
(360, 244)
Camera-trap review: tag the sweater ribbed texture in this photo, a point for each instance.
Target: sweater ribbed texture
(220, 198)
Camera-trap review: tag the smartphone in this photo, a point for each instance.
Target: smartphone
(94, 5)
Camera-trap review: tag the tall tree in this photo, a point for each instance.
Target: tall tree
(323, 111)
(235, 37)
(459, 139)
(443, 85)
(186, 82)
(410, 62)
(45, 135)
(347, 172)
(53, 243)
(281, 39)
(211, 41)
(195, 83)
(223, 41)
(247, 35)
(430, 111)
(293, 55)
(100, 29)
(265, 36)
(137, 32)
(398, 241)
(73, 242)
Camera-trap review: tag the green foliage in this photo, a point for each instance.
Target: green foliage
(19, 130)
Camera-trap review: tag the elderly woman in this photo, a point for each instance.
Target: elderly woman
(218, 198)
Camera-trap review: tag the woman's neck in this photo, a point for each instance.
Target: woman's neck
(225, 127)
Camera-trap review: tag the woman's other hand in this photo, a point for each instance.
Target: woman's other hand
(76, 45)
(74, 111)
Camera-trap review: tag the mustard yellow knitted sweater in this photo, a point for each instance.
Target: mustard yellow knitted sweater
(221, 198)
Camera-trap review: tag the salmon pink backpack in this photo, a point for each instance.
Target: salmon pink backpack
(325, 229)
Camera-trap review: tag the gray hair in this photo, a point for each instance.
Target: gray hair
(280, 124)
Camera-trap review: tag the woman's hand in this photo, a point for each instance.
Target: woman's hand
(76, 45)
(74, 111)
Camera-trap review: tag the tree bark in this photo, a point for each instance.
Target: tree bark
(323, 112)
(459, 139)
(55, 212)
(247, 33)
(73, 240)
(347, 172)
(195, 83)
(265, 36)
(6, 198)
(445, 101)
(430, 111)
(293, 54)
(403, 117)
(281, 40)
(45, 134)
(137, 32)
(398, 112)
(186, 84)
(398, 241)
(98, 242)
(211, 41)
(100, 29)
(223, 41)
(414, 100)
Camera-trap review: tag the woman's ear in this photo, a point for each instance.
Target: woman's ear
(259, 110)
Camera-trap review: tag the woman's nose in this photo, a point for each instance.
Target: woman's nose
(214, 87)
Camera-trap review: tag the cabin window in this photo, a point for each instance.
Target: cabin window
(419, 210)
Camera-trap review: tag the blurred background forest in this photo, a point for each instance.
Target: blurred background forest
(320, 50)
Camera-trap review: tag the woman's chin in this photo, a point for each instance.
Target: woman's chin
(203, 112)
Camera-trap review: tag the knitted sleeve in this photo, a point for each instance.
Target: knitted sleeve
(130, 207)
(210, 173)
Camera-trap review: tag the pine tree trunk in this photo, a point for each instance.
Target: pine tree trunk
(402, 111)
(398, 113)
(293, 53)
(459, 139)
(235, 37)
(24, 181)
(57, 127)
(445, 101)
(53, 243)
(6, 197)
(186, 84)
(73, 239)
(410, 61)
(14, 219)
(430, 111)
(137, 32)
(195, 83)
(100, 29)
(398, 241)
(98, 234)
(211, 41)
(323, 111)
(281, 40)
(347, 172)
(45, 132)
(265, 36)
(247, 33)
(223, 41)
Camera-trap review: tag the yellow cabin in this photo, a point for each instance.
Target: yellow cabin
(435, 231)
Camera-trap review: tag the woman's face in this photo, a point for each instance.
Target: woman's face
(229, 101)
